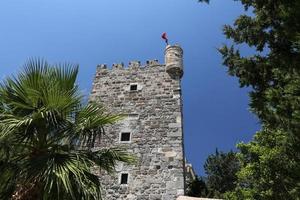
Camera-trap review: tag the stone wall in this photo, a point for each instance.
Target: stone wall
(154, 120)
(194, 198)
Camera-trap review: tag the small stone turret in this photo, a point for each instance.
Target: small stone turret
(174, 61)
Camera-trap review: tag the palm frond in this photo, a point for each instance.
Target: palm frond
(89, 123)
(46, 135)
(67, 171)
(107, 159)
(9, 170)
(65, 74)
(10, 124)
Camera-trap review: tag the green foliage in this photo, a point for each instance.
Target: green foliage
(47, 135)
(270, 169)
(270, 163)
(197, 188)
(274, 76)
(221, 169)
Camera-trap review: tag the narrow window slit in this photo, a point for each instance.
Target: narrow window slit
(124, 179)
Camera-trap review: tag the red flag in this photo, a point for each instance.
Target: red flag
(164, 36)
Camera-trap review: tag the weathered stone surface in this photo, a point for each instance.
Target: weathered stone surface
(193, 198)
(154, 119)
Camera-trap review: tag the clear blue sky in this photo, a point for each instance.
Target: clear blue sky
(109, 31)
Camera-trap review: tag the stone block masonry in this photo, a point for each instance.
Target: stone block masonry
(150, 97)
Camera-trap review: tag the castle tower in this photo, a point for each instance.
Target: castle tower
(150, 96)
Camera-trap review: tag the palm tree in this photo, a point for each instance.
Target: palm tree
(47, 136)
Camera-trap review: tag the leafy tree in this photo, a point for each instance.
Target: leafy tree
(47, 136)
(268, 168)
(197, 188)
(271, 162)
(221, 169)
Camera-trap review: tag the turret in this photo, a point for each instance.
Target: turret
(174, 61)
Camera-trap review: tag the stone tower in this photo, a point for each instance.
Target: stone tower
(150, 96)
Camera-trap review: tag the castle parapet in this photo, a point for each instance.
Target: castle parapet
(133, 65)
(118, 66)
(101, 66)
(152, 62)
(173, 63)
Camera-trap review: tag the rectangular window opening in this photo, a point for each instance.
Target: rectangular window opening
(133, 116)
(133, 87)
(124, 178)
(177, 91)
(125, 137)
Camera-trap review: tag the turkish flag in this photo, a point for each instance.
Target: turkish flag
(164, 36)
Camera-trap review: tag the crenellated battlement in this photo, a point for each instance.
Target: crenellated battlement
(173, 64)
(131, 65)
